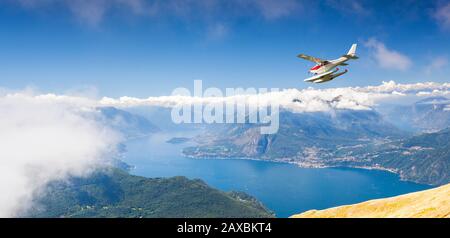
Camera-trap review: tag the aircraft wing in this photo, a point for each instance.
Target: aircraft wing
(310, 58)
(343, 64)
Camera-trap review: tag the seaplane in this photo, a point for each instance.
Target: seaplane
(327, 70)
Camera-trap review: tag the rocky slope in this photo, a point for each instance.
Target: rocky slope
(431, 203)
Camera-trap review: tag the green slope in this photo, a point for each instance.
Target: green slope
(116, 193)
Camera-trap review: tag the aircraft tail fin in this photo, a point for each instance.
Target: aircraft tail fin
(352, 52)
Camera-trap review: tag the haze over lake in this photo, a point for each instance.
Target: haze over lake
(286, 189)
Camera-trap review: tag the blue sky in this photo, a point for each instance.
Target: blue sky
(147, 48)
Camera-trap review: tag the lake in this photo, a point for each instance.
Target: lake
(286, 189)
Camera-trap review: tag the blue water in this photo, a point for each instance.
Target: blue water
(284, 188)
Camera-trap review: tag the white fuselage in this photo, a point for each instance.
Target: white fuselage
(328, 65)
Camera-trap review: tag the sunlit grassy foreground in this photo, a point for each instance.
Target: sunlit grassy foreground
(431, 203)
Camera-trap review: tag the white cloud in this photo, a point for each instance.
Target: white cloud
(274, 9)
(90, 12)
(93, 12)
(387, 58)
(300, 100)
(391, 86)
(217, 31)
(442, 15)
(436, 64)
(45, 138)
(349, 7)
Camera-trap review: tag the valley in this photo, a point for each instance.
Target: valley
(243, 161)
(356, 139)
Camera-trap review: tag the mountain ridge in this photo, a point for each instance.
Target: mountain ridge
(346, 139)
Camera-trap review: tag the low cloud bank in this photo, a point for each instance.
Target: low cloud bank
(45, 138)
(301, 100)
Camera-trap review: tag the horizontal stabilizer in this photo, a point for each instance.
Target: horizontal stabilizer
(350, 57)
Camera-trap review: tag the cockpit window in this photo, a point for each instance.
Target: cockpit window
(316, 67)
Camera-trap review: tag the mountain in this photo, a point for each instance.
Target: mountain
(162, 118)
(298, 132)
(432, 114)
(115, 193)
(427, 115)
(431, 203)
(357, 139)
(423, 158)
(129, 124)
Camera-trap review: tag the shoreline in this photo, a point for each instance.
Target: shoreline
(388, 170)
